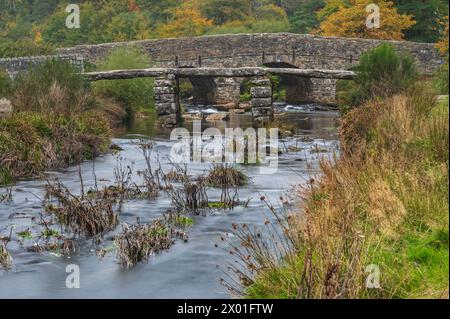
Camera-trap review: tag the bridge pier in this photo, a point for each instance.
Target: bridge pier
(323, 91)
(167, 102)
(227, 91)
(261, 94)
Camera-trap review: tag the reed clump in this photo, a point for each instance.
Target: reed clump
(89, 216)
(5, 257)
(136, 243)
(223, 175)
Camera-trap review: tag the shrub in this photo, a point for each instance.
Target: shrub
(132, 94)
(382, 72)
(32, 142)
(55, 87)
(27, 47)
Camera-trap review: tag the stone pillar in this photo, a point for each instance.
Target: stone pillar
(262, 108)
(227, 92)
(166, 100)
(323, 91)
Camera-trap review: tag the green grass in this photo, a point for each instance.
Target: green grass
(392, 179)
(32, 142)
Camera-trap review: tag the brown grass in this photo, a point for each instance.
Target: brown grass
(383, 202)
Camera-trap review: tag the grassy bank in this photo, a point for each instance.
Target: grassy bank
(55, 121)
(384, 202)
(376, 222)
(32, 142)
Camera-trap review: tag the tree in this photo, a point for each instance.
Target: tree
(427, 14)
(442, 44)
(128, 26)
(270, 12)
(223, 11)
(350, 21)
(185, 22)
(305, 18)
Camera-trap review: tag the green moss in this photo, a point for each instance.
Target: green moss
(219, 205)
(183, 221)
(26, 234)
(48, 232)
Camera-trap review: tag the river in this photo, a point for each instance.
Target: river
(189, 269)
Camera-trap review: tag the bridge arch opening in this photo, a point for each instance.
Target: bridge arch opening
(288, 88)
(197, 91)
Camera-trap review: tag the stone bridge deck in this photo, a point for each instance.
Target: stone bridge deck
(218, 72)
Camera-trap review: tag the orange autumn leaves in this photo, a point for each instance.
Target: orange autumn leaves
(186, 21)
(442, 44)
(348, 19)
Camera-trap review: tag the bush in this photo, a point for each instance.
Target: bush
(382, 72)
(54, 85)
(132, 94)
(27, 47)
(32, 142)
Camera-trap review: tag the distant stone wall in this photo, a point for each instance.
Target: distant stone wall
(241, 50)
(13, 66)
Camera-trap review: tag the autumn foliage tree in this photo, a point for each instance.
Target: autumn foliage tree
(348, 19)
(442, 44)
(186, 21)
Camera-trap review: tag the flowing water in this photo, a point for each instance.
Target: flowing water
(189, 269)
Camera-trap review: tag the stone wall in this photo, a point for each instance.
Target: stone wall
(239, 50)
(15, 65)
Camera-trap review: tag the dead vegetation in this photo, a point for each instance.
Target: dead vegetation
(5, 257)
(7, 195)
(136, 243)
(89, 216)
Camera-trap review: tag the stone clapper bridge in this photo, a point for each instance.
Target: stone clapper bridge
(308, 65)
(166, 85)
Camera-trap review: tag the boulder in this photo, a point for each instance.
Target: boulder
(167, 120)
(227, 106)
(219, 116)
(245, 105)
(192, 116)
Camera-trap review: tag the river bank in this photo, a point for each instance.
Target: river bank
(375, 225)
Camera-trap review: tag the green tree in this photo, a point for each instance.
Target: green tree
(132, 94)
(304, 19)
(223, 11)
(427, 14)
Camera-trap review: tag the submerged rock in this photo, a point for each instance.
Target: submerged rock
(220, 116)
(192, 116)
